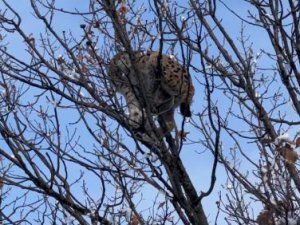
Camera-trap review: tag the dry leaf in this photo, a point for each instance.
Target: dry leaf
(96, 24)
(161, 205)
(105, 142)
(31, 41)
(60, 60)
(1, 183)
(80, 58)
(182, 135)
(264, 218)
(123, 9)
(134, 220)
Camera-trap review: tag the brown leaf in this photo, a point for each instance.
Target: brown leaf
(80, 58)
(123, 9)
(31, 41)
(182, 135)
(161, 205)
(134, 220)
(105, 142)
(60, 60)
(264, 218)
(1, 183)
(96, 24)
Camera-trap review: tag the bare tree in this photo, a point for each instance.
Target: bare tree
(69, 154)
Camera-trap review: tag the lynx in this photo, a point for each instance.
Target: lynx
(163, 86)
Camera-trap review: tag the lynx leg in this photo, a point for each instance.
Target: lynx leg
(167, 121)
(165, 106)
(135, 112)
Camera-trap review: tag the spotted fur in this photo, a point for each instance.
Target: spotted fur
(165, 86)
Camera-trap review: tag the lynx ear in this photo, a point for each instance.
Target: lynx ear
(185, 109)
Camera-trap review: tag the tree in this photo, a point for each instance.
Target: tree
(68, 153)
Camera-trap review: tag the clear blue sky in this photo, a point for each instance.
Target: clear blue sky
(198, 165)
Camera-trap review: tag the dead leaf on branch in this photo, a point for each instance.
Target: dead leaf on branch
(134, 220)
(160, 205)
(96, 24)
(31, 42)
(1, 183)
(80, 58)
(182, 135)
(105, 142)
(61, 60)
(264, 218)
(123, 9)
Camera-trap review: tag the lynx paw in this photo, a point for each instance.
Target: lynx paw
(135, 117)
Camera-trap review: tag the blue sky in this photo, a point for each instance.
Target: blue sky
(198, 165)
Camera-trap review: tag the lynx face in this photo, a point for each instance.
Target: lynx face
(166, 86)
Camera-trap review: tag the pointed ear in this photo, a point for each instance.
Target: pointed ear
(185, 109)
